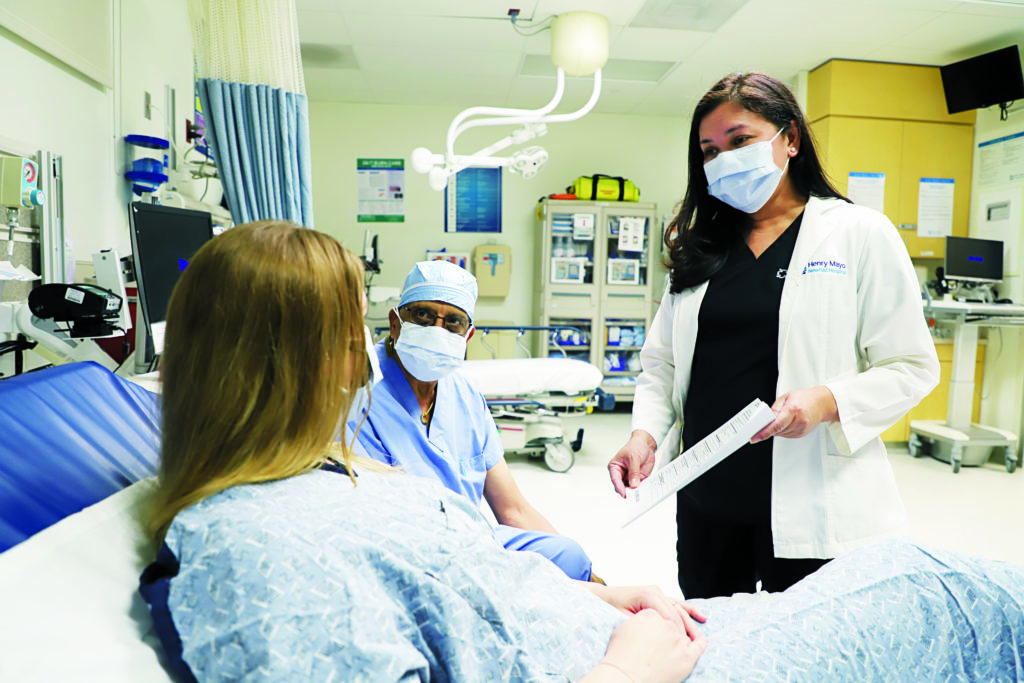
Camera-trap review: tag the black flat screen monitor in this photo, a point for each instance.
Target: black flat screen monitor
(973, 260)
(164, 239)
(979, 82)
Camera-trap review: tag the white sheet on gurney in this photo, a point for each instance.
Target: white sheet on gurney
(531, 376)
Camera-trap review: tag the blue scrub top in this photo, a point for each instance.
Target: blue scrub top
(461, 444)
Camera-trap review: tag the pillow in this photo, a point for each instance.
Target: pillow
(69, 602)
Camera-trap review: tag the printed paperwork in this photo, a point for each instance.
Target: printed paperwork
(693, 462)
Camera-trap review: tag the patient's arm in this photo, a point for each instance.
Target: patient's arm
(507, 502)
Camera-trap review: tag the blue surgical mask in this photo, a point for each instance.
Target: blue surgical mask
(429, 353)
(745, 178)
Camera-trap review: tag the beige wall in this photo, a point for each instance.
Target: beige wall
(1003, 386)
(648, 150)
(48, 105)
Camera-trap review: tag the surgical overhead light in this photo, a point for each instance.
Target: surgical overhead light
(579, 47)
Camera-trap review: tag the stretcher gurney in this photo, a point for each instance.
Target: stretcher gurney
(526, 395)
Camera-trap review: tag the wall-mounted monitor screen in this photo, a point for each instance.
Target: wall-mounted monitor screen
(982, 81)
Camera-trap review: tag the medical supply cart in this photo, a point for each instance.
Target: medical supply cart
(956, 439)
(597, 266)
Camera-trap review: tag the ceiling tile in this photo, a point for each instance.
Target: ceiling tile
(322, 27)
(954, 36)
(413, 51)
(654, 43)
(433, 33)
(618, 12)
(450, 64)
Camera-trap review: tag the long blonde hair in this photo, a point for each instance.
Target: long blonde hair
(263, 352)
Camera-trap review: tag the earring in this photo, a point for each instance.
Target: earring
(792, 151)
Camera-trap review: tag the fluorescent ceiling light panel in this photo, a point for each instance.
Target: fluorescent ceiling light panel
(686, 15)
(328, 56)
(638, 70)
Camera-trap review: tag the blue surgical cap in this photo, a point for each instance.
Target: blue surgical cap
(440, 281)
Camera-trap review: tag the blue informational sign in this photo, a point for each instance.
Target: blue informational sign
(472, 201)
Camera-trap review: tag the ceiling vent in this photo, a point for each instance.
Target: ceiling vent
(686, 15)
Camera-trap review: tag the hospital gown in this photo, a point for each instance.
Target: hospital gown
(459, 447)
(312, 578)
(395, 579)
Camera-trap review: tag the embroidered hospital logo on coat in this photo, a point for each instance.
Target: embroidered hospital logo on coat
(825, 266)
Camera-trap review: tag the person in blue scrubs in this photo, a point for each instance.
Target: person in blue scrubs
(430, 421)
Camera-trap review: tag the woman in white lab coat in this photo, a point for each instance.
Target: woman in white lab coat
(783, 290)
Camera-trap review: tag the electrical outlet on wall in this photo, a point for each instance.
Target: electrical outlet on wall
(147, 110)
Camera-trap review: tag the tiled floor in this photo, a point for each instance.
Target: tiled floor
(980, 510)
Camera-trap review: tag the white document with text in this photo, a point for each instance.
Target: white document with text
(695, 461)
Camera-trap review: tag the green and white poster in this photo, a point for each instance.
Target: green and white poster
(381, 190)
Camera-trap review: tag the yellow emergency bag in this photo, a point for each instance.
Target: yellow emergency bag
(604, 188)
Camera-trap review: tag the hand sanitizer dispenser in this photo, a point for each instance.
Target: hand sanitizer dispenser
(492, 265)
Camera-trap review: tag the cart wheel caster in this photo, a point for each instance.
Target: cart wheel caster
(1011, 460)
(558, 457)
(955, 465)
(914, 446)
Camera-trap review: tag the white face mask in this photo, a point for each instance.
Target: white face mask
(745, 178)
(429, 353)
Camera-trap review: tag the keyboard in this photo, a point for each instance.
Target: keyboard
(974, 308)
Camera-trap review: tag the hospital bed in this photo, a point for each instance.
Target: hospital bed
(78, 446)
(526, 397)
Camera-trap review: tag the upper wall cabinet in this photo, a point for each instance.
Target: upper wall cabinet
(880, 91)
(891, 119)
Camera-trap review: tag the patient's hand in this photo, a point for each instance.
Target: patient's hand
(633, 463)
(648, 648)
(634, 599)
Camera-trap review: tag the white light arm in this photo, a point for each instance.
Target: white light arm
(553, 118)
(456, 129)
(579, 47)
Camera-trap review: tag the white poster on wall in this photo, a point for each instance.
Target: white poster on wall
(1001, 161)
(867, 189)
(935, 207)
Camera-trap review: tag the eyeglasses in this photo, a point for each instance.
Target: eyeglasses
(455, 323)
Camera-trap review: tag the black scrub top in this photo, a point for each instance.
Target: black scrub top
(735, 360)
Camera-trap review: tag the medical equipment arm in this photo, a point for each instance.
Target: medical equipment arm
(88, 312)
(579, 47)
(900, 363)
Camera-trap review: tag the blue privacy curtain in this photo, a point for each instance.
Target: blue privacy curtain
(253, 95)
(259, 137)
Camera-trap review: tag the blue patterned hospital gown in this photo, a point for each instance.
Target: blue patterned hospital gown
(310, 578)
(395, 579)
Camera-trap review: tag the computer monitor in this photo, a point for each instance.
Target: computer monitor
(973, 260)
(164, 239)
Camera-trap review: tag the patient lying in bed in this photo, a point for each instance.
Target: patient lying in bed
(281, 563)
(393, 578)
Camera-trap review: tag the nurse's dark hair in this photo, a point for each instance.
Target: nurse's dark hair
(701, 234)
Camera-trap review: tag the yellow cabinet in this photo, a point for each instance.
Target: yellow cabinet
(933, 406)
(905, 151)
(906, 92)
(862, 145)
(934, 150)
(891, 118)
